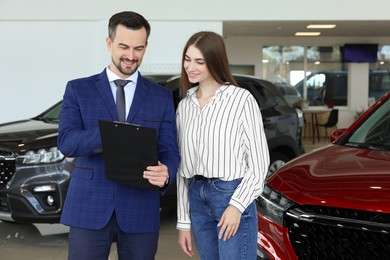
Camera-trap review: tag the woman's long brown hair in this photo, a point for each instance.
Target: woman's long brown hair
(212, 47)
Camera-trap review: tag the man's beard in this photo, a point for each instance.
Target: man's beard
(125, 71)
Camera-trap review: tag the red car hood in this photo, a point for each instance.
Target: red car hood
(337, 176)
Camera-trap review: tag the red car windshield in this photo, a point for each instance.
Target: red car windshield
(374, 132)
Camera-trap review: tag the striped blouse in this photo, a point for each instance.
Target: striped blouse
(223, 140)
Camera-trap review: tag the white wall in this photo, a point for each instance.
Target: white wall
(358, 79)
(45, 43)
(39, 56)
(200, 10)
(166, 44)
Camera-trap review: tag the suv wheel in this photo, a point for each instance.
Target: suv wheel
(277, 161)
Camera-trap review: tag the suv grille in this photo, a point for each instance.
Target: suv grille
(4, 203)
(7, 167)
(334, 233)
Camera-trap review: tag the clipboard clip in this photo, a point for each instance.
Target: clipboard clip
(125, 123)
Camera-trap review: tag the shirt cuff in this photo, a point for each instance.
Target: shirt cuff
(237, 205)
(183, 226)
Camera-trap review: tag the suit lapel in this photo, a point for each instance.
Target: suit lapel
(103, 87)
(139, 97)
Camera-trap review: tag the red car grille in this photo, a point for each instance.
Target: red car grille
(332, 233)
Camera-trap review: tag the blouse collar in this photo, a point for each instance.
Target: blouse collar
(219, 90)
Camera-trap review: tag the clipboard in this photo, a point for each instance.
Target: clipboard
(127, 150)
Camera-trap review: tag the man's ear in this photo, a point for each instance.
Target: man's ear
(109, 43)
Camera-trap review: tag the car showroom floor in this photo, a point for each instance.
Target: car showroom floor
(49, 242)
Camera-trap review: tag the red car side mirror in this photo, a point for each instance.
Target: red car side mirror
(336, 134)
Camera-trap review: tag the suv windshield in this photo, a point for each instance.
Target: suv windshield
(374, 133)
(52, 114)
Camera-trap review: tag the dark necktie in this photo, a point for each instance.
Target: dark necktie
(120, 98)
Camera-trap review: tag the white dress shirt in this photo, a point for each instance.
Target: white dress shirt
(224, 140)
(129, 88)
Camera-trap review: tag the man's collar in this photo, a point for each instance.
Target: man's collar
(112, 76)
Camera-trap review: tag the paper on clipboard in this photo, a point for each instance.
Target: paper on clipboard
(127, 150)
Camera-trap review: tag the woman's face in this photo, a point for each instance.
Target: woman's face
(195, 66)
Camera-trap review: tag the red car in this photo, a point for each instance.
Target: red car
(334, 202)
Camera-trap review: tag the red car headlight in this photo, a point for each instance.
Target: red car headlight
(273, 205)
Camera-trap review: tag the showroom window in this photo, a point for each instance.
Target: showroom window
(379, 75)
(326, 75)
(283, 64)
(326, 80)
(321, 64)
(383, 62)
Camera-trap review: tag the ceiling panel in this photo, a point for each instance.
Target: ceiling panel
(288, 28)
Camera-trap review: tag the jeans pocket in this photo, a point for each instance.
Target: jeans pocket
(190, 181)
(251, 210)
(226, 186)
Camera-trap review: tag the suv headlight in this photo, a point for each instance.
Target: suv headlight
(43, 156)
(273, 205)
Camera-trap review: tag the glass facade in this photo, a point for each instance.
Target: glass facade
(326, 81)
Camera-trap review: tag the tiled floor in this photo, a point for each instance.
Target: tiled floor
(49, 242)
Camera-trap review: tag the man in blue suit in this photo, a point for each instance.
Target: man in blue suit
(100, 211)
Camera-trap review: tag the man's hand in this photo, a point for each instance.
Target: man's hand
(185, 242)
(229, 222)
(157, 175)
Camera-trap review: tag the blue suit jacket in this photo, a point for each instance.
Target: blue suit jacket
(91, 198)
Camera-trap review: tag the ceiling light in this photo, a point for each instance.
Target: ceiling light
(307, 33)
(321, 26)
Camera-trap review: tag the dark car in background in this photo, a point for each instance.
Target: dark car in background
(290, 94)
(334, 202)
(282, 123)
(332, 86)
(34, 175)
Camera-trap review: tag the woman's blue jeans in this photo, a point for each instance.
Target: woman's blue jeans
(208, 200)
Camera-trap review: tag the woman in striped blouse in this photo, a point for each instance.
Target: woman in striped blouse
(224, 155)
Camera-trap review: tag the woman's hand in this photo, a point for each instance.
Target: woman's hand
(229, 222)
(185, 242)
